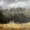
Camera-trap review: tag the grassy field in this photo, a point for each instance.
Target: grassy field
(23, 26)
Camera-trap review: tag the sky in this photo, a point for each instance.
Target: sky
(14, 3)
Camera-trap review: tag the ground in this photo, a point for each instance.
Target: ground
(14, 26)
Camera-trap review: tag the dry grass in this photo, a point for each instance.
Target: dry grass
(14, 26)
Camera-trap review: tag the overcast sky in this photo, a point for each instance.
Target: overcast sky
(14, 3)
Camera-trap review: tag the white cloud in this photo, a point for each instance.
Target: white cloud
(1, 3)
(17, 3)
(20, 3)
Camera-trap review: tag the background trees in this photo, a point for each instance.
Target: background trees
(19, 17)
(16, 14)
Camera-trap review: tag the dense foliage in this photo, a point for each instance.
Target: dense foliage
(16, 14)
